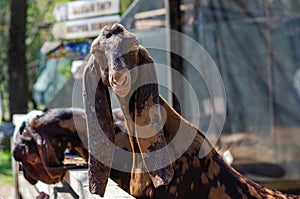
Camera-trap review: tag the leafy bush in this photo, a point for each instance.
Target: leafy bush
(5, 167)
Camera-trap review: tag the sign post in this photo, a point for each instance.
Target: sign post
(80, 19)
(82, 28)
(84, 9)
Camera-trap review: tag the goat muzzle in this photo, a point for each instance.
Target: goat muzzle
(120, 82)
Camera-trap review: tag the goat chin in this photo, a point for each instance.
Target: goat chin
(121, 92)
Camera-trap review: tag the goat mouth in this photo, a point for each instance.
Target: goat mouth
(122, 87)
(122, 90)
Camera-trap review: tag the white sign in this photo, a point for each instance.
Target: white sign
(84, 9)
(82, 28)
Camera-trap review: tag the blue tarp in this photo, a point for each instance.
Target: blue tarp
(51, 80)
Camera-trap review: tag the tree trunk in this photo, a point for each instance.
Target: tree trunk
(17, 83)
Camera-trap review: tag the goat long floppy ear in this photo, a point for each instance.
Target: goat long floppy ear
(149, 122)
(99, 119)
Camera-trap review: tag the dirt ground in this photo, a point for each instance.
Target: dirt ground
(6, 191)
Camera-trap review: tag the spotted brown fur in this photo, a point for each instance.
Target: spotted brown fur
(208, 177)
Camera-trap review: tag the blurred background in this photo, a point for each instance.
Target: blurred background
(254, 44)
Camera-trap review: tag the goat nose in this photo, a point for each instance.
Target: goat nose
(118, 78)
(116, 29)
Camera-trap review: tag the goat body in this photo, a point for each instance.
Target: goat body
(41, 143)
(194, 177)
(125, 65)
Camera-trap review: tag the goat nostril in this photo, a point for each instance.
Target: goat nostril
(116, 29)
(119, 79)
(123, 80)
(114, 81)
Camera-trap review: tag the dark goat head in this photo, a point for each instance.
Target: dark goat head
(122, 63)
(42, 142)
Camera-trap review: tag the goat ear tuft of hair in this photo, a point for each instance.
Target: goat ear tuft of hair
(98, 117)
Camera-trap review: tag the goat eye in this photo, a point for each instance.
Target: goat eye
(106, 73)
(131, 53)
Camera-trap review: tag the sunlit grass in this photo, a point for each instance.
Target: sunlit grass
(5, 167)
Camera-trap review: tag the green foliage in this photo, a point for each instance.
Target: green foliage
(5, 143)
(4, 31)
(5, 167)
(124, 4)
(39, 23)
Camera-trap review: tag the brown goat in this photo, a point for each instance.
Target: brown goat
(42, 141)
(122, 63)
(100, 125)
